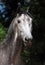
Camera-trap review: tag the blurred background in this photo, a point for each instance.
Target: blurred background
(8, 10)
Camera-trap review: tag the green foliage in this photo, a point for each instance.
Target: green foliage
(38, 49)
(2, 32)
(26, 56)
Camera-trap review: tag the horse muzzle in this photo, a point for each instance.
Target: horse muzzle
(28, 43)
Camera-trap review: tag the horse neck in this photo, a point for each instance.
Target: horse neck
(16, 51)
(16, 58)
(13, 44)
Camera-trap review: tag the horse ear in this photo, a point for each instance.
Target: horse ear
(19, 7)
(27, 9)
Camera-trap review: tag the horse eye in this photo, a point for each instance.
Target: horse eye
(18, 21)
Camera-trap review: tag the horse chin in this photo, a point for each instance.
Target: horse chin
(28, 44)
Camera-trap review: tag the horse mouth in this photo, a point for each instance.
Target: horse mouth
(28, 43)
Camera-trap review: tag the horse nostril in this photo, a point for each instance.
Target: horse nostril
(26, 39)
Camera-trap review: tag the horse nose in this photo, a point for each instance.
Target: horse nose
(28, 39)
(28, 42)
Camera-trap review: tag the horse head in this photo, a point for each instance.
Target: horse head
(23, 26)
